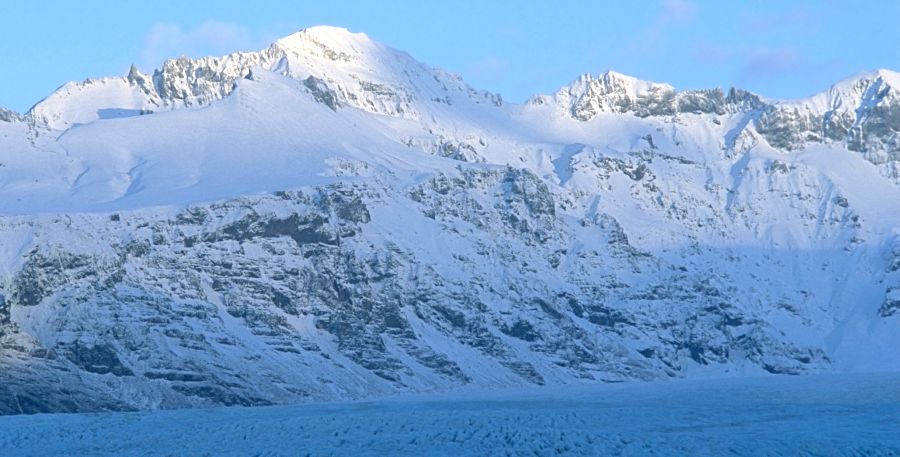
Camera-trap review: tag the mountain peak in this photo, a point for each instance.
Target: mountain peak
(868, 78)
(889, 77)
(613, 92)
(334, 43)
(612, 75)
(331, 32)
(613, 81)
(892, 77)
(859, 91)
(267, 246)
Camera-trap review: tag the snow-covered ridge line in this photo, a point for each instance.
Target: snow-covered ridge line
(612, 92)
(386, 81)
(342, 221)
(861, 113)
(347, 67)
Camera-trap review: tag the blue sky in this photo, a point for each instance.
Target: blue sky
(776, 48)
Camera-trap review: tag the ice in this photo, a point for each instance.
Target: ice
(825, 415)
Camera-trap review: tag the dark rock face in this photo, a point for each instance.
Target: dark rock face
(100, 359)
(891, 305)
(657, 103)
(42, 274)
(320, 91)
(4, 313)
(9, 116)
(290, 297)
(872, 128)
(614, 93)
(862, 115)
(42, 398)
(875, 130)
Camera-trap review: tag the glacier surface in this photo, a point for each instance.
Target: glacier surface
(822, 415)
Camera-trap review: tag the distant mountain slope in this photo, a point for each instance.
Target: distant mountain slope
(329, 218)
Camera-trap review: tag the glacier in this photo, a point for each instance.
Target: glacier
(823, 415)
(330, 219)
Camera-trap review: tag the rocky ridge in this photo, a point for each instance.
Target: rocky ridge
(341, 221)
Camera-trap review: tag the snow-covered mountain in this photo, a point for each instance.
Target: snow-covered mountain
(329, 218)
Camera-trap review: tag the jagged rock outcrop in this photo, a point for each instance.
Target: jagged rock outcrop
(9, 116)
(340, 221)
(337, 67)
(284, 298)
(613, 92)
(863, 113)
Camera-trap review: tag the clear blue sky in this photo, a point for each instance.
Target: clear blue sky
(518, 48)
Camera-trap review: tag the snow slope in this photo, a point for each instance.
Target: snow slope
(329, 218)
